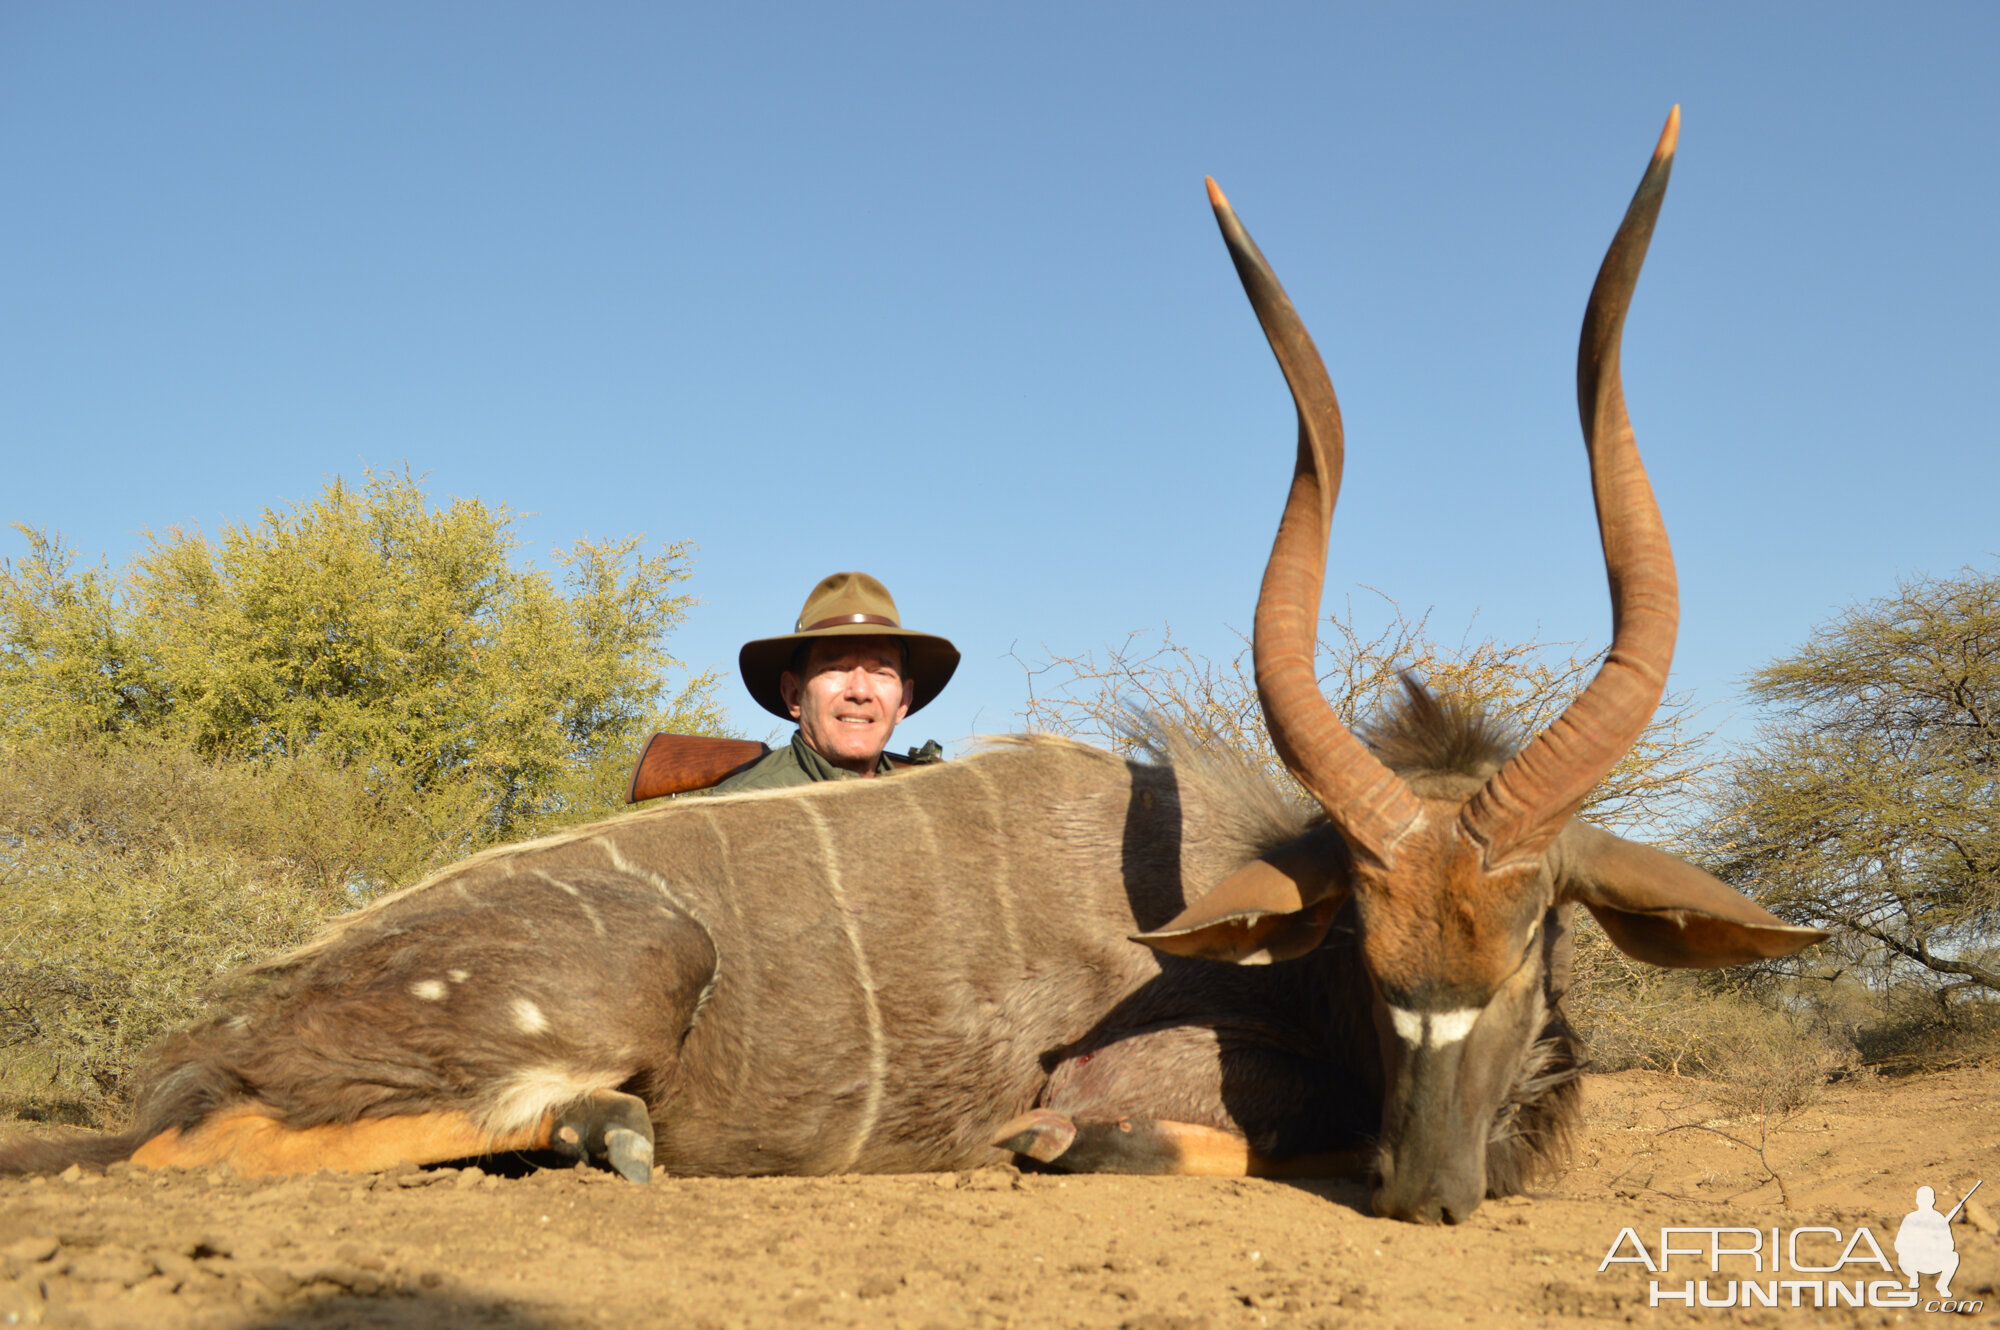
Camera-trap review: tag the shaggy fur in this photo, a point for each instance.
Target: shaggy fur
(1444, 747)
(1424, 738)
(796, 981)
(686, 954)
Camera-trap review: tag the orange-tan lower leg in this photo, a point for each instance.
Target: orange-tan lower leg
(254, 1143)
(1204, 1152)
(1154, 1145)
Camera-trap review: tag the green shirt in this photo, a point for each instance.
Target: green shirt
(798, 763)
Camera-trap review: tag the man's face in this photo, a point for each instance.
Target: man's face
(850, 698)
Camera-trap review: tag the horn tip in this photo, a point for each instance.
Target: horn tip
(1216, 198)
(1670, 137)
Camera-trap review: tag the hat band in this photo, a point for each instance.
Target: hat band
(840, 619)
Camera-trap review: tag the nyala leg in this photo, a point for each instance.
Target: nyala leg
(1191, 1099)
(607, 1128)
(1127, 1145)
(250, 1138)
(1157, 1146)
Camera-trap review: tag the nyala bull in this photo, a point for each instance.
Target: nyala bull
(940, 970)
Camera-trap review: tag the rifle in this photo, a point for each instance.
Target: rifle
(679, 763)
(1962, 1200)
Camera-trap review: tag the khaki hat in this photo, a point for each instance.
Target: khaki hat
(846, 605)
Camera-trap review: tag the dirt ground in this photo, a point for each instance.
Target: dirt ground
(998, 1248)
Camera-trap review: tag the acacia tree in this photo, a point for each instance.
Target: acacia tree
(1521, 685)
(204, 755)
(367, 628)
(1870, 802)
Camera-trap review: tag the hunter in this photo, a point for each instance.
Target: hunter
(848, 673)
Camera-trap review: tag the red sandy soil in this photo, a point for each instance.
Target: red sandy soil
(997, 1248)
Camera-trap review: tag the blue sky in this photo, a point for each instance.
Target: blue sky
(933, 291)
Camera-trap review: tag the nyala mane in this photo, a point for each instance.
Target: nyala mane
(1422, 733)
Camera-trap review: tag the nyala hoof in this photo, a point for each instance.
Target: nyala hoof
(1138, 1145)
(1043, 1135)
(610, 1129)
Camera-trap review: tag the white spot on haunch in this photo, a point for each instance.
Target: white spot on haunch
(1433, 1029)
(528, 1018)
(457, 976)
(430, 990)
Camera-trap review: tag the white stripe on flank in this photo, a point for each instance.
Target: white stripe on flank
(589, 911)
(650, 878)
(746, 1042)
(555, 881)
(659, 884)
(878, 1053)
(1002, 880)
(1433, 1029)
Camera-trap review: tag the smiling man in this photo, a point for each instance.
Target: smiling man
(847, 673)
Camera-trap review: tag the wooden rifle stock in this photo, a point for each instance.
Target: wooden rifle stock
(679, 763)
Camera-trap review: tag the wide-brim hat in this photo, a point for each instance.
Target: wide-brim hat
(847, 605)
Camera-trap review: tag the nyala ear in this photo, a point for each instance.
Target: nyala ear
(1664, 911)
(1275, 908)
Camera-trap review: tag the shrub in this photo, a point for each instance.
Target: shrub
(135, 878)
(204, 757)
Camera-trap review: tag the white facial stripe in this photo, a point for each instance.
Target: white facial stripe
(1448, 1027)
(1433, 1029)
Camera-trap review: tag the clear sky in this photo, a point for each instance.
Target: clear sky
(932, 290)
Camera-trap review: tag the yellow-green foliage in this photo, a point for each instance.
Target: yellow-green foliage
(204, 756)
(366, 627)
(1870, 802)
(136, 875)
